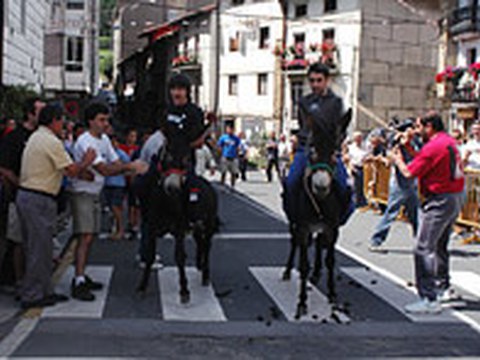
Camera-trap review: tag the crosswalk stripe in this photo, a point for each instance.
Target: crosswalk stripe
(285, 294)
(82, 309)
(467, 280)
(394, 294)
(203, 305)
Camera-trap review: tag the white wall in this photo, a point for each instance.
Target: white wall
(23, 50)
(250, 60)
(77, 23)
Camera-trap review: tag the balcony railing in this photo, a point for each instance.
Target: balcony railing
(465, 21)
(466, 94)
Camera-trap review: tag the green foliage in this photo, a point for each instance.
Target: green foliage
(12, 99)
(107, 11)
(106, 63)
(105, 43)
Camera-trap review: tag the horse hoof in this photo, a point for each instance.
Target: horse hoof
(185, 298)
(286, 276)
(332, 298)
(301, 311)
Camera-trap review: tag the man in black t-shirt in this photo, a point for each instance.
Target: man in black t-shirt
(11, 151)
(183, 125)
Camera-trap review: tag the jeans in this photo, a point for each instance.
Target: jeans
(397, 197)
(360, 199)
(438, 215)
(293, 181)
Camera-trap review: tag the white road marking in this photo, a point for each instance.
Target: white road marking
(395, 295)
(82, 309)
(285, 294)
(467, 280)
(203, 305)
(17, 336)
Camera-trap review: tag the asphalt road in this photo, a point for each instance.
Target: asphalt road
(247, 312)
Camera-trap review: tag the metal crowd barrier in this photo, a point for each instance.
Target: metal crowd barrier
(376, 182)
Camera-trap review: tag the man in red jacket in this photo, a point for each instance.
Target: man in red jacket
(439, 169)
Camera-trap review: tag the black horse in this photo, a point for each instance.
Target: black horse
(318, 208)
(178, 203)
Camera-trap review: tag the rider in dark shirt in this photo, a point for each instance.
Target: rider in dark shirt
(321, 111)
(183, 125)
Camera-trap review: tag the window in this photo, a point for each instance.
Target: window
(262, 83)
(264, 37)
(233, 85)
(235, 42)
(75, 4)
(472, 56)
(299, 38)
(301, 10)
(74, 60)
(330, 5)
(238, 2)
(328, 34)
(296, 95)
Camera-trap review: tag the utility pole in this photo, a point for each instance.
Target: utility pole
(93, 48)
(217, 57)
(284, 8)
(2, 9)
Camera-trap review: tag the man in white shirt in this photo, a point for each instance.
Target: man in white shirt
(357, 154)
(471, 150)
(86, 194)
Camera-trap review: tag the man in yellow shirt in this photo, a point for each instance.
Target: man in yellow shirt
(44, 163)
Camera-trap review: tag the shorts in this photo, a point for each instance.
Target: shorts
(114, 195)
(230, 165)
(14, 231)
(86, 212)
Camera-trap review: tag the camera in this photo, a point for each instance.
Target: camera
(399, 128)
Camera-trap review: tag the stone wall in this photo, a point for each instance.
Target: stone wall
(398, 59)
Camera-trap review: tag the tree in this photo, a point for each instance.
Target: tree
(107, 7)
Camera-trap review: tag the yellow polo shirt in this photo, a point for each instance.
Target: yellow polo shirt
(43, 162)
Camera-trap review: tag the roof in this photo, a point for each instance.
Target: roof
(160, 31)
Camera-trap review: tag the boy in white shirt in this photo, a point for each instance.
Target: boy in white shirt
(86, 194)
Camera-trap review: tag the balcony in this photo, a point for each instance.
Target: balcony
(189, 66)
(464, 22)
(465, 95)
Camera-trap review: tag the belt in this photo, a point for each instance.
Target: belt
(39, 192)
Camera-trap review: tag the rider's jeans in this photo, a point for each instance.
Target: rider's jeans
(397, 196)
(292, 182)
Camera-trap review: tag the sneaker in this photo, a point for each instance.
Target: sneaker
(44, 302)
(447, 295)
(93, 285)
(424, 306)
(58, 297)
(81, 292)
(377, 248)
(156, 265)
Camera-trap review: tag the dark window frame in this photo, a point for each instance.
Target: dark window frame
(262, 84)
(233, 85)
(264, 37)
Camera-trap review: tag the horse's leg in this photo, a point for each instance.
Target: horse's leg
(291, 258)
(317, 267)
(150, 251)
(207, 244)
(330, 262)
(180, 257)
(304, 269)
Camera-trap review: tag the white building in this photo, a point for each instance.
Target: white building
(248, 66)
(71, 47)
(23, 42)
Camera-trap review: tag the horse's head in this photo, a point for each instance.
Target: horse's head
(173, 183)
(321, 179)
